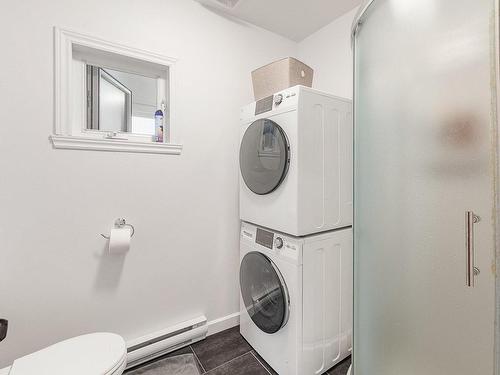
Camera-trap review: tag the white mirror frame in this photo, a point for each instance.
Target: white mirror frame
(69, 128)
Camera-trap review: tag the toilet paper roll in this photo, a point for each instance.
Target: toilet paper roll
(119, 240)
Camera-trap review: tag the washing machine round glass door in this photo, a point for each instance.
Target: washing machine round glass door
(264, 156)
(264, 292)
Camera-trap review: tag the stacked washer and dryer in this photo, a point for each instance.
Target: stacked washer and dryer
(296, 235)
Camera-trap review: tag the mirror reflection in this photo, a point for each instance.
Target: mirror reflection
(119, 101)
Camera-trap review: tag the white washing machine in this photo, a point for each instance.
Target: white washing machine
(296, 298)
(296, 162)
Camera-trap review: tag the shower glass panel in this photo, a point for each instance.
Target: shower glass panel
(422, 159)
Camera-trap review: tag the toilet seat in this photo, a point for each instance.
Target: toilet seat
(92, 354)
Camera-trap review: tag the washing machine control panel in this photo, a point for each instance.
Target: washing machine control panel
(264, 238)
(268, 239)
(278, 244)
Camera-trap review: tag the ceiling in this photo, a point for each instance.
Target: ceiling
(293, 19)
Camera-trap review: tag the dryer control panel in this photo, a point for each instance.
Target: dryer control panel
(283, 100)
(264, 105)
(273, 102)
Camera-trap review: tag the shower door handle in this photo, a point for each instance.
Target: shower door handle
(471, 271)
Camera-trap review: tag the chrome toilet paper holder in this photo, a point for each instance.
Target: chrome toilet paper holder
(120, 223)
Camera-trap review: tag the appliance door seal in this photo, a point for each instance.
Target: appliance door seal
(264, 292)
(264, 156)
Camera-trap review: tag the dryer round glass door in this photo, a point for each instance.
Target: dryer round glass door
(264, 156)
(264, 292)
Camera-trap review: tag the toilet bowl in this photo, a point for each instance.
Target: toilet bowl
(92, 354)
(348, 371)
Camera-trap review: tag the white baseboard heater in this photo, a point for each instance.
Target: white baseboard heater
(159, 343)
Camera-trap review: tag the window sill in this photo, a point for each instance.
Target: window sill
(117, 145)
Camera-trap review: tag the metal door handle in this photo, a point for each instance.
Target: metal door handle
(471, 269)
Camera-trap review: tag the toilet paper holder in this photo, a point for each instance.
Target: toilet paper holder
(120, 223)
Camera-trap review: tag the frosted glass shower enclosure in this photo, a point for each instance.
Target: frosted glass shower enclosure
(425, 154)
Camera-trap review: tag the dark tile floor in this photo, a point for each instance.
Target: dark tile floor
(225, 353)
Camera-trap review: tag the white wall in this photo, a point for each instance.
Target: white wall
(328, 52)
(55, 279)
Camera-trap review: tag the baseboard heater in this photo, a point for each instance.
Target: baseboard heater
(159, 343)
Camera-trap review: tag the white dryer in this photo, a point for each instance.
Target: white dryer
(296, 298)
(296, 162)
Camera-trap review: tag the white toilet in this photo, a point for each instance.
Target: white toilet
(92, 354)
(348, 371)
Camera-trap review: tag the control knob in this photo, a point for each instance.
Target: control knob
(278, 99)
(278, 242)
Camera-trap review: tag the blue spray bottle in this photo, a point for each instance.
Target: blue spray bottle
(158, 126)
